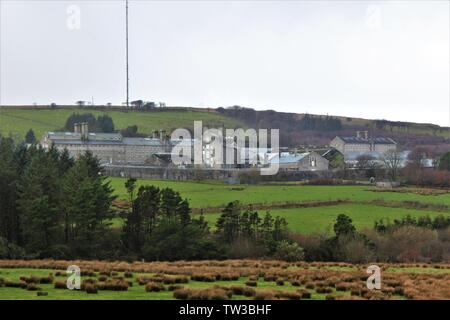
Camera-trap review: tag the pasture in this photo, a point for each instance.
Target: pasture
(229, 279)
(364, 204)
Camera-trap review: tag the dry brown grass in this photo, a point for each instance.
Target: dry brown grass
(320, 276)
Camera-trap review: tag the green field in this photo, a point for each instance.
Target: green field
(213, 194)
(18, 121)
(303, 220)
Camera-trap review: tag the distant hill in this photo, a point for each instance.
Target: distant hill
(295, 129)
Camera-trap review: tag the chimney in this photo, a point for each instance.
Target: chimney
(162, 134)
(77, 128)
(84, 131)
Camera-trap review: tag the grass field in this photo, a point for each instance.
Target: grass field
(213, 195)
(273, 278)
(18, 121)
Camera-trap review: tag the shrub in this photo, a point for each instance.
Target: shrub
(30, 279)
(264, 295)
(251, 283)
(310, 285)
(90, 288)
(12, 284)
(280, 282)
(324, 290)
(305, 294)
(154, 287)
(46, 280)
(128, 274)
(289, 251)
(295, 283)
(182, 293)
(102, 278)
(288, 295)
(243, 291)
(32, 287)
(60, 285)
(203, 277)
(42, 293)
(174, 287)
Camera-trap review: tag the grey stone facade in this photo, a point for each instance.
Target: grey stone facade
(108, 147)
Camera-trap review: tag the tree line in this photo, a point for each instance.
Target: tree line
(53, 206)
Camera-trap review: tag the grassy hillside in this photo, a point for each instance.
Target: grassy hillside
(17, 122)
(363, 210)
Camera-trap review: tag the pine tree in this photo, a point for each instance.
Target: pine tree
(38, 194)
(30, 137)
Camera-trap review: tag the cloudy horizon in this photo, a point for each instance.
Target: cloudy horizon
(371, 59)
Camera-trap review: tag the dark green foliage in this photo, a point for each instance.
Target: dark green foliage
(50, 205)
(233, 226)
(30, 137)
(103, 123)
(160, 227)
(444, 162)
(437, 223)
(131, 131)
(343, 226)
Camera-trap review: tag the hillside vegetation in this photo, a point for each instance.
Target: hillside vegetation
(295, 128)
(17, 121)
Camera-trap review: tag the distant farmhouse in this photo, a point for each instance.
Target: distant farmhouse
(362, 144)
(306, 161)
(110, 148)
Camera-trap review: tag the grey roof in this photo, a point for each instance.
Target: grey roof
(56, 136)
(359, 140)
(349, 156)
(291, 158)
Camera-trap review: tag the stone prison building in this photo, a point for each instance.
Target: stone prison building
(110, 148)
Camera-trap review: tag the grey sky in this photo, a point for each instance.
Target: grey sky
(366, 59)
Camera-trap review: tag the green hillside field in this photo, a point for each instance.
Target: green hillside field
(213, 195)
(17, 121)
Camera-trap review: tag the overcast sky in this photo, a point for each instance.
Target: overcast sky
(384, 60)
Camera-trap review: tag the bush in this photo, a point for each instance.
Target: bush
(264, 295)
(289, 251)
(154, 287)
(243, 291)
(288, 295)
(32, 287)
(305, 294)
(182, 294)
(60, 285)
(324, 290)
(90, 288)
(174, 287)
(279, 282)
(251, 283)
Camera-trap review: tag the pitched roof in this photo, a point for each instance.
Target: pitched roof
(359, 140)
(291, 158)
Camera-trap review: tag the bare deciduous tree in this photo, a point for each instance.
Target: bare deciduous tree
(392, 163)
